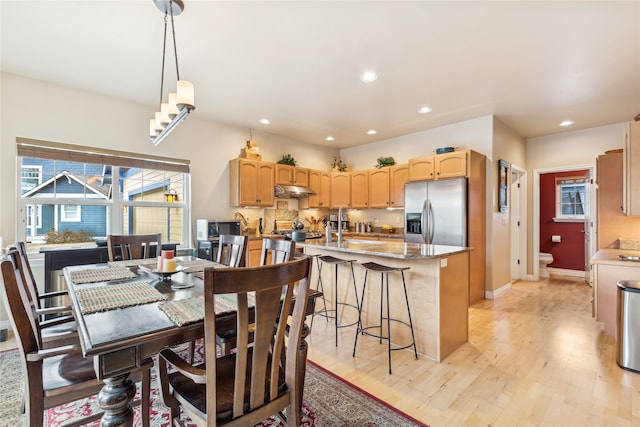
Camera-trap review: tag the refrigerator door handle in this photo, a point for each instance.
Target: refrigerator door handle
(431, 223)
(424, 222)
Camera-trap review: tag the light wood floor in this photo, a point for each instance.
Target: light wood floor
(535, 357)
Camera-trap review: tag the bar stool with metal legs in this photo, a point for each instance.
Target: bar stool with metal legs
(384, 288)
(319, 288)
(328, 259)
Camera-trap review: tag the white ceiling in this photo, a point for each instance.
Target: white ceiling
(532, 64)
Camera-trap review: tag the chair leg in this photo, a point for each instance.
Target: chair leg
(359, 328)
(406, 298)
(388, 325)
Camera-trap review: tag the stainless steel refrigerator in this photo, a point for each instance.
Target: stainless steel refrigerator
(436, 212)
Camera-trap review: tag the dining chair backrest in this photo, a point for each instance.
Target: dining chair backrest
(134, 246)
(27, 277)
(276, 251)
(258, 380)
(232, 250)
(19, 305)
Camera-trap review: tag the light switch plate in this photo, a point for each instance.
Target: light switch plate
(443, 262)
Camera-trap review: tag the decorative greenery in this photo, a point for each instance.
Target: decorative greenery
(287, 159)
(338, 164)
(68, 236)
(385, 161)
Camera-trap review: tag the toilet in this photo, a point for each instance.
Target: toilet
(545, 260)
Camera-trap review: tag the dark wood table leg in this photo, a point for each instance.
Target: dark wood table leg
(115, 400)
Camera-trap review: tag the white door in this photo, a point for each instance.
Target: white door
(588, 230)
(518, 225)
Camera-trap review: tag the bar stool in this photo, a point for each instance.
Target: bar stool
(384, 272)
(328, 259)
(319, 288)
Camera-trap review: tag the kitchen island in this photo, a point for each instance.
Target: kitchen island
(437, 286)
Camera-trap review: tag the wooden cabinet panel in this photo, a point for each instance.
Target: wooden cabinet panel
(451, 165)
(398, 177)
(340, 189)
(320, 182)
(254, 250)
(631, 169)
(379, 188)
(360, 189)
(291, 175)
(422, 168)
(251, 183)
(440, 166)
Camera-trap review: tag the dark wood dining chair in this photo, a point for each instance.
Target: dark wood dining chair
(232, 250)
(257, 381)
(55, 331)
(274, 251)
(59, 375)
(134, 246)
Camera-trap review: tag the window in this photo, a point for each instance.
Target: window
(31, 176)
(92, 192)
(70, 213)
(571, 198)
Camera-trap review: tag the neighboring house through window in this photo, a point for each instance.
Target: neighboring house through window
(100, 192)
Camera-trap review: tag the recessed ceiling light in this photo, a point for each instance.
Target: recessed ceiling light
(329, 138)
(371, 132)
(566, 123)
(265, 121)
(424, 110)
(369, 77)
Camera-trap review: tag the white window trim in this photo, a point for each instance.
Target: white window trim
(585, 203)
(22, 177)
(65, 218)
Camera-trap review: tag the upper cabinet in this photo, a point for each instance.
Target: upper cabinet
(360, 189)
(631, 170)
(386, 186)
(439, 166)
(251, 183)
(320, 182)
(340, 189)
(292, 175)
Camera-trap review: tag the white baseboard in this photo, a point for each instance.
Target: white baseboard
(565, 272)
(493, 294)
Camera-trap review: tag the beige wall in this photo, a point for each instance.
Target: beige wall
(38, 110)
(509, 146)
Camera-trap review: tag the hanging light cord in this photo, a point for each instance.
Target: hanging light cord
(164, 49)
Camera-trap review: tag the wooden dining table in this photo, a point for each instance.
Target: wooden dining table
(119, 339)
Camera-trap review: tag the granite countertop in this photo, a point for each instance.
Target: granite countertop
(612, 256)
(386, 249)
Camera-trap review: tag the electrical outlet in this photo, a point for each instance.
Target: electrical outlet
(375, 220)
(443, 262)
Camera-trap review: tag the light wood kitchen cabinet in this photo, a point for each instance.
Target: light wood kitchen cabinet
(340, 189)
(254, 251)
(631, 169)
(360, 189)
(251, 183)
(440, 166)
(386, 186)
(292, 175)
(320, 182)
(611, 222)
(398, 177)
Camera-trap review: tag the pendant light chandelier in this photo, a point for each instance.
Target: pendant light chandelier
(179, 103)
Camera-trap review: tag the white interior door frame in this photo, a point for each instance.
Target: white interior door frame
(536, 208)
(518, 223)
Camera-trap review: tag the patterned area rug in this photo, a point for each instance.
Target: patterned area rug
(329, 401)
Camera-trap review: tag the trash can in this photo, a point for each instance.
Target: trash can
(628, 325)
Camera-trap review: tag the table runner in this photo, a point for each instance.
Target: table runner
(110, 297)
(191, 310)
(147, 262)
(197, 265)
(101, 275)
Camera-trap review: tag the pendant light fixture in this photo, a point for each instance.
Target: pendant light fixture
(180, 103)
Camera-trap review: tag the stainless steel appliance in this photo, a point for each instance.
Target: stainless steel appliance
(436, 212)
(308, 234)
(208, 234)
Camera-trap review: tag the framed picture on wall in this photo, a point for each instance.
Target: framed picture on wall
(503, 186)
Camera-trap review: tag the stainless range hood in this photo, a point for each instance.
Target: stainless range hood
(293, 192)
